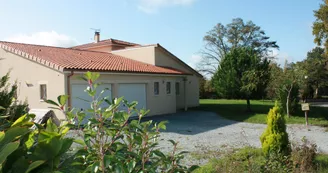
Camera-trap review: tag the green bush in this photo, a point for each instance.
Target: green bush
(275, 137)
(29, 147)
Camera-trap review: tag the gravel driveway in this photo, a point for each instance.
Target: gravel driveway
(195, 129)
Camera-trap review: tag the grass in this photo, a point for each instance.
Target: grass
(250, 159)
(236, 110)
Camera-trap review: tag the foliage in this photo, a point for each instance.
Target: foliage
(320, 25)
(275, 138)
(303, 156)
(242, 74)
(288, 88)
(220, 40)
(111, 142)
(206, 90)
(245, 159)
(273, 85)
(253, 160)
(316, 69)
(11, 108)
(27, 146)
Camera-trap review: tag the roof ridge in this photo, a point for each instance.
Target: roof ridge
(54, 47)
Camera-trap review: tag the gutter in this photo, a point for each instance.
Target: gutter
(69, 89)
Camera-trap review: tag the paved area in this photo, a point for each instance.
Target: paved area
(195, 129)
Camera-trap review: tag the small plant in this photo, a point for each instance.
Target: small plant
(304, 155)
(275, 138)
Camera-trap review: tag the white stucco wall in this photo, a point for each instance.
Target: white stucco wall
(26, 71)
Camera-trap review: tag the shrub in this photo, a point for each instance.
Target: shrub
(275, 137)
(304, 155)
(11, 109)
(24, 149)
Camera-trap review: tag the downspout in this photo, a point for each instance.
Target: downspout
(68, 87)
(185, 93)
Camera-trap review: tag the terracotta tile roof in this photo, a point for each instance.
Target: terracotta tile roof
(104, 42)
(72, 59)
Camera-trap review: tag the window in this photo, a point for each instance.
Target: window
(156, 88)
(168, 87)
(43, 92)
(177, 88)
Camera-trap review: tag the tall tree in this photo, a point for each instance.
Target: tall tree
(316, 69)
(242, 74)
(320, 25)
(221, 39)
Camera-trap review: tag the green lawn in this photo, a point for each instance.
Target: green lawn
(236, 110)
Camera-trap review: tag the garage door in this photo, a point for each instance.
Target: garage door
(81, 100)
(133, 92)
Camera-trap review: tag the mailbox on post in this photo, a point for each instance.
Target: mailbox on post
(306, 109)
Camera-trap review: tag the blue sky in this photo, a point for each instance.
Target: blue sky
(178, 25)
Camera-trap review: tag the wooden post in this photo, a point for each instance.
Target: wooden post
(306, 118)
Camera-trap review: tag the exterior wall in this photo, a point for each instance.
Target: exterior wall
(26, 71)
(107, 49)
(192, 84)
(157, 104)
(101, 49)
(143, 54)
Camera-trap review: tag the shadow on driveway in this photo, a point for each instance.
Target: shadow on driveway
(191, 122)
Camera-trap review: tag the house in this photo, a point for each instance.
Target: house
(149, 74)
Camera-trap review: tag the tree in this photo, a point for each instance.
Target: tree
(290, 81)
(320, 25)
(316, 69)
(242, 74)
(273, 85)
(221, 39)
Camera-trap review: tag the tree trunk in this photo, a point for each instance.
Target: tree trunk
(287, 103)
(248, 105)
(316, 92)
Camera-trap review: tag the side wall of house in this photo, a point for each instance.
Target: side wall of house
(157, 104)
(192, 84)
(143, 54)
(29, 76)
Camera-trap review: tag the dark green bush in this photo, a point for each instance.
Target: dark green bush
(11, 109)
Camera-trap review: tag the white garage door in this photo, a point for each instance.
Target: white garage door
(79, 97)
(133, 92)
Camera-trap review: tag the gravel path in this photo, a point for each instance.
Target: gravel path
(207, 132)
(195, 130)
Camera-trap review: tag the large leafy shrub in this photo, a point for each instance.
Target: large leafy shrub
(275, 138)
(29, 147)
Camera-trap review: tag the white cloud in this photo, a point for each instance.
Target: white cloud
(194, 60)
(281, 57)
(51, 38)
(152, 6)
